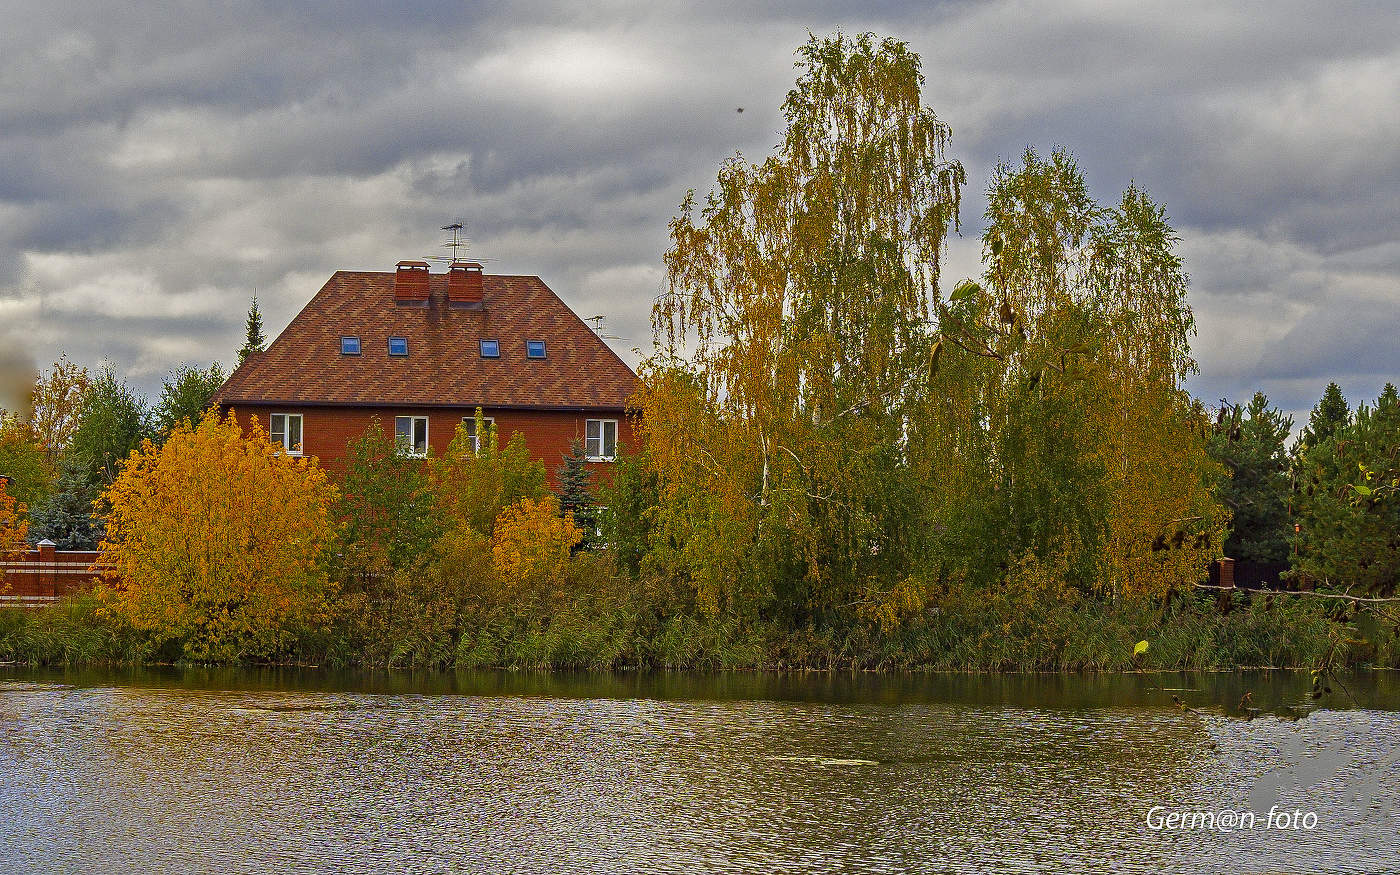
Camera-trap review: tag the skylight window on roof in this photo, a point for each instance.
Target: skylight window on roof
(534, 349)
(350, 345)
(490, 349)
(398, 346)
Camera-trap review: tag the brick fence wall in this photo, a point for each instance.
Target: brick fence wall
(38, 577)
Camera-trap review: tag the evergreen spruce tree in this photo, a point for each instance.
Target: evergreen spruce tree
(1251, 445)
(66, 517)
(1329, 416)
(575, 496)
(255, 340)
(1348, 501)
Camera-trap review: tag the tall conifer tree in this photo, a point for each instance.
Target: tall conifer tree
(255, 340)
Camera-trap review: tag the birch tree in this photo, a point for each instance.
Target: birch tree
(795, 328)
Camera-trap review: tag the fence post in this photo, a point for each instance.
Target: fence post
(47, 563)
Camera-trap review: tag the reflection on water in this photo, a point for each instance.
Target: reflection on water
(266, 771)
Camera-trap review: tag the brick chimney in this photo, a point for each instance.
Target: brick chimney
(464, 284)
(411, 283)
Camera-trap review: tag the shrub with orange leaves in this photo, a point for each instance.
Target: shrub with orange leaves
(216, 540)
(13, 528)
(531, 540)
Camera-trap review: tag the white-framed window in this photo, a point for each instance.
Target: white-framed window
(411, 435)
(600, 440)
(476, 437)
(285, 429)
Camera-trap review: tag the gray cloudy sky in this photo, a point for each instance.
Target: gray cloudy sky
(161, 163)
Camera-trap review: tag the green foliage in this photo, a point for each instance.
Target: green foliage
(1251, 443)
(25, 461)
(806, 284)
(111, 423)
(1348, 498)
(73, 631)
(1055, 422)
(472, 486)
(1329, 416)
(186, 395)
(833, 440)
(67, 516)
(387, 515)
(631, 498)
(254, 339)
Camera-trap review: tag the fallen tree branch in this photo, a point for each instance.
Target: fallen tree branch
(1321, 595)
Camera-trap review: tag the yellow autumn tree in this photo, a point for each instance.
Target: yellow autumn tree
(56, 402)
(215, 541)
(531, 541)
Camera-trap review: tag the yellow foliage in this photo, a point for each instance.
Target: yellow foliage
(891, 608)
(57, 400)
(1164, 525)
(216, 540)
(531, 540)
(13, 528)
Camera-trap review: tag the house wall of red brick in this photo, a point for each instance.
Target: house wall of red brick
(326, 431)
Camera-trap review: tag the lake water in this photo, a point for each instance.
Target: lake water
(206, 771)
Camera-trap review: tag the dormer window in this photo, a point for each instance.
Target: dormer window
(534, 349)
(350, 345)
(398, 346)
(490, 349)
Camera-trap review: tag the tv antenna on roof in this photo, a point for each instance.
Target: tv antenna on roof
(458, 244)
(597, 320)
(457, 241)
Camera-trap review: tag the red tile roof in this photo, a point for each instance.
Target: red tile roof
(444, 364)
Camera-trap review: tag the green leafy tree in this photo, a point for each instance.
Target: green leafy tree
(1056, 433)
(1252, 445)
(575, 493)
(474, 480)
(387, 515)
(68, 516)
(186, 395)
(23, 458)
(112, 422)
(254, 339)
(631, 499)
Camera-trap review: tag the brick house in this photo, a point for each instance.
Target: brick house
(422, 351)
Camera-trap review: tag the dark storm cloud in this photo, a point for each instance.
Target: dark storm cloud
(162, 163)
